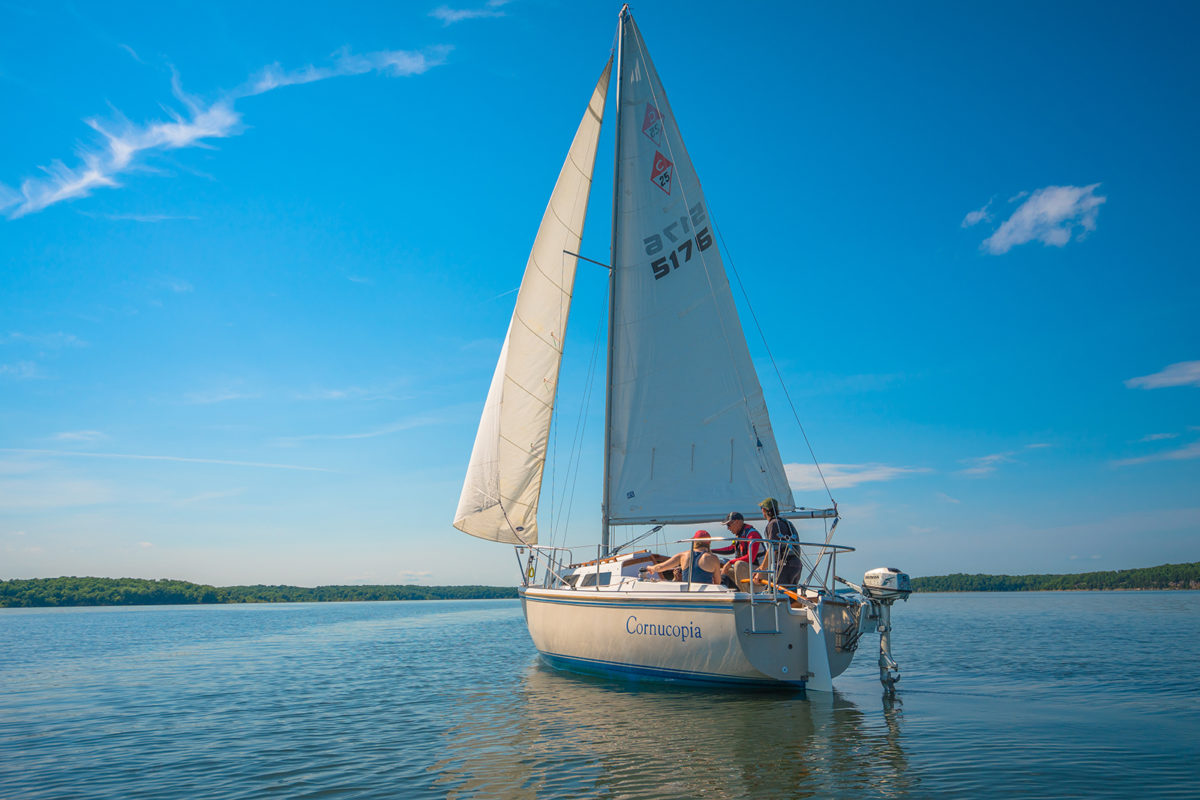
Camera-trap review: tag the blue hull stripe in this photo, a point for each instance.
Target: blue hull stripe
(721, 609)
(596, 665)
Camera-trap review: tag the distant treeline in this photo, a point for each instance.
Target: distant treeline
(1168, 576)
(136, 592)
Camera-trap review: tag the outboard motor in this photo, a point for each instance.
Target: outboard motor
(882, 587)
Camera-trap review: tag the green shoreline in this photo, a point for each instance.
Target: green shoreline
(72, 591)
(1165, 576)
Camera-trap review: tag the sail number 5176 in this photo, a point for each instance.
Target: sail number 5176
(663, 265)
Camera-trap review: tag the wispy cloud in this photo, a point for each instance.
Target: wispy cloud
(125, 144)
(1157, 437)
(945, 498)
(978, 216)
(218, 396)
(206, 496)
(386, 430)
(1185, 453)
(46, 341)
(1185, 373)
(985, 465)
(177, 285)
(180, 459)
(143, 217)
(1050, 215)
(79, 436)
(805, 477)
(132, 53)
(20, 371)
(395, 63)
(449, 16)
(39, 494)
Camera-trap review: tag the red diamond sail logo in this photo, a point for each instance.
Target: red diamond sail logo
(661, 173)
(652, 124)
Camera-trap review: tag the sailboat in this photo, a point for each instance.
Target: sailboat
(687, 436)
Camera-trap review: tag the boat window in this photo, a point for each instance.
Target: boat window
(590, 579)
(572, 580)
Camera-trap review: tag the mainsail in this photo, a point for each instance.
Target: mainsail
(504, 478)
(689, 436)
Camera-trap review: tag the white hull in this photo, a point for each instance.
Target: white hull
(707, 634)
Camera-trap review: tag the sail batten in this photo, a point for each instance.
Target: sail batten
(499, 498)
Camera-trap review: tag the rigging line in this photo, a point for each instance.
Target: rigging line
(645, 61)
(581, 425)
(774, 365)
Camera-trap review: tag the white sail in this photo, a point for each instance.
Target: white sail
(504, 478)
(689, 432)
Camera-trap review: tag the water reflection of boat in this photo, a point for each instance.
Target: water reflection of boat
(568, 735)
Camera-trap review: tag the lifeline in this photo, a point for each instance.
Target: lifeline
(682, 632)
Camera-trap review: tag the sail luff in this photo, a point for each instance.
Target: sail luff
(500, 494)
(605, 529)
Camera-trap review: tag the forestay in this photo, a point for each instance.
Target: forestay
(500, 496)
(689, 432)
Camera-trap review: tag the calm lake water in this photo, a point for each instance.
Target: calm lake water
(1004, 695)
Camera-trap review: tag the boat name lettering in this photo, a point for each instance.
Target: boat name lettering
(681, 632)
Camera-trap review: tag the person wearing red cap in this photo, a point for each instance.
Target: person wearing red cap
(748, 550)
(704, 567)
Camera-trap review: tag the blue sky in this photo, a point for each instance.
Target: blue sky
(257, 260)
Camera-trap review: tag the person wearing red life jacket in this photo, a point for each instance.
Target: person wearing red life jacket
(747, 552)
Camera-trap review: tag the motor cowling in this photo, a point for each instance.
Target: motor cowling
(887, 584)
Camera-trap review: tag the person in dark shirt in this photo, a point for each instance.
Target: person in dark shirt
(781, 535)
(747, 552)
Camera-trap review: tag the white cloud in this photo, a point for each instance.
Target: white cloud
(48, 341)
(143, 217)
(79, 436)
(804, 477)
(395, 427)
(1184, 453)
(1184, 373)
(395, 63)
(20, 371)
(1037, 446)
(182, 459)
(123, 142)
(1050, 215)
(976, 217)
(218, 396)
(1157, 437)
(34, 494)
(985, 465)
(177, 285)
(204, 497)
(449, 16)
(145, 545)
(946, 498)
(133, 53)
(413, 575)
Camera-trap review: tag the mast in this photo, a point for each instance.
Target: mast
(605, 532)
